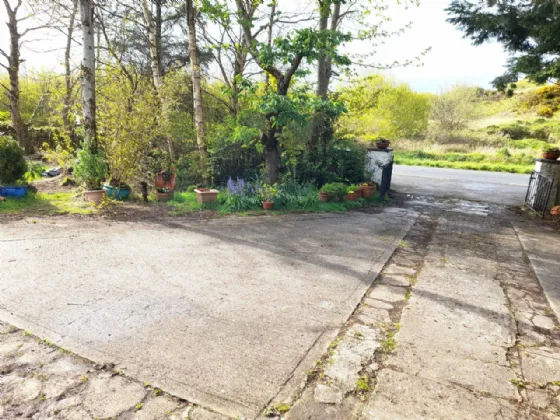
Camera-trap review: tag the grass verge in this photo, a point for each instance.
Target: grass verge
(42, 203)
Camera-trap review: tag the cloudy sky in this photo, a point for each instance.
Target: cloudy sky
(451, 60)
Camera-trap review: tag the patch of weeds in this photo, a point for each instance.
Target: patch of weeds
(413, 279)
(42, 397)
(139, 406)
(47, 343)
(358, 334)
(119, 372)
(65, 351)
(555, 383)
(403, 244)
(84, 378)
(407, 295)
(4, 401)
(397, 326)
(276, 410)
(363, 383)
(519, 383)
(20, 345)
(41, 364)
(146, 385)
(28, 334)
(389, 344)
(157, 392)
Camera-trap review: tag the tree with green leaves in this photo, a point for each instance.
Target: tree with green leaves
(528, 29)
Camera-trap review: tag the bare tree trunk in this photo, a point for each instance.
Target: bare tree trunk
(196, 79)
(67, 98)
(88, 74)
(269, 34)
(153, 44)
(13, 92)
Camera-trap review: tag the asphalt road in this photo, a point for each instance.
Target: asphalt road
(494, 187)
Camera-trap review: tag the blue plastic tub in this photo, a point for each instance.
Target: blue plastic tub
(117, 193)
(13, 191)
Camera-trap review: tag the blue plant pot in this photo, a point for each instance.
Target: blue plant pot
(117, 193)
(13, 191)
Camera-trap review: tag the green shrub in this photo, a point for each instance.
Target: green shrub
(336, 189)
(91, 168)
(12, 162)
(515, 131)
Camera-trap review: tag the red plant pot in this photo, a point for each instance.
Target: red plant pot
(268, 205)
(551, 155)
(161, 182)
(350, 197)
(359, 193)
(324, 197)
(381, 145)
(368, 191)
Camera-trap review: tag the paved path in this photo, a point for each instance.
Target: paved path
(226, 314)
(495, 187)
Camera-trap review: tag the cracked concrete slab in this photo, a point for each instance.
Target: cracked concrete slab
(221, 313)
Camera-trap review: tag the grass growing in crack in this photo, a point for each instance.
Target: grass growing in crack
(363, 383)
(358, 334)
(84, 378)
(139, 406)
(157, 391)
(42, 397)
(519, 383)
(403, 244)
(276, 410)
(389, 344)
(407, 295)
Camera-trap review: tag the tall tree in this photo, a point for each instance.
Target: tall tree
(282, 60)
(13, 58)
(196, 79)
(88, 74)
(528, 29)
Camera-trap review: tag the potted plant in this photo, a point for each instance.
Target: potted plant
(164, 183)
(91, 169)
(382, 143)
(551, 153)
(117, 190)
(367, 189)
(267, 194)
(12, 168)
(336, 190)
(324, 196)
(351, 192)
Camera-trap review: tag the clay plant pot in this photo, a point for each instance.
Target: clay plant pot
(206, 196)
(268, 205)
(324, 197)
(359, 193)
(350, 197)
(161, 182)
(368, 191)
(94, 196)
(382, 144)
(164, 196)
(551, 155)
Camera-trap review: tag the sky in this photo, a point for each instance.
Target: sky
(451, 60)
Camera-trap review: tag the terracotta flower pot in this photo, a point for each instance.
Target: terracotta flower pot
(324, 197)
(206, 196)
(161, 182)
(359, 193)
(382, 145)
(551, 155)
(94, 196)
(368, 191)
(268, 205)
(350, 197)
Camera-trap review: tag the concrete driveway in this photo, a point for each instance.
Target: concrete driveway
(227, 313)
(494, 187)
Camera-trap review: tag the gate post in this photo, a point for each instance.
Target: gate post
(376, 160)
(551, 170)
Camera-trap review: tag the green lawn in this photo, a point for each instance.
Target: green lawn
(42, 203)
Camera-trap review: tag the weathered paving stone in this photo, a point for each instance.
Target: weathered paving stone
(541, 365)
(374, 303)
(538, 398)
(394, 280)
(544, 322)
(307, 408)
(56, 386)
(107, 397)
(156, 408)
(199, 413)
(371, 315)
(401, 396)
(24, 389)
(357, 347)
(396, 269)
(328, 394)
(387, 293)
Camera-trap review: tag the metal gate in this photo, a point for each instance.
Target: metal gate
(538, 193)
(386, 176)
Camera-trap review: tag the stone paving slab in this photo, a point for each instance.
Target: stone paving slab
(223, 313)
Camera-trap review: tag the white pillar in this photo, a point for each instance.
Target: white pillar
(375, 161)
(550, 169)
